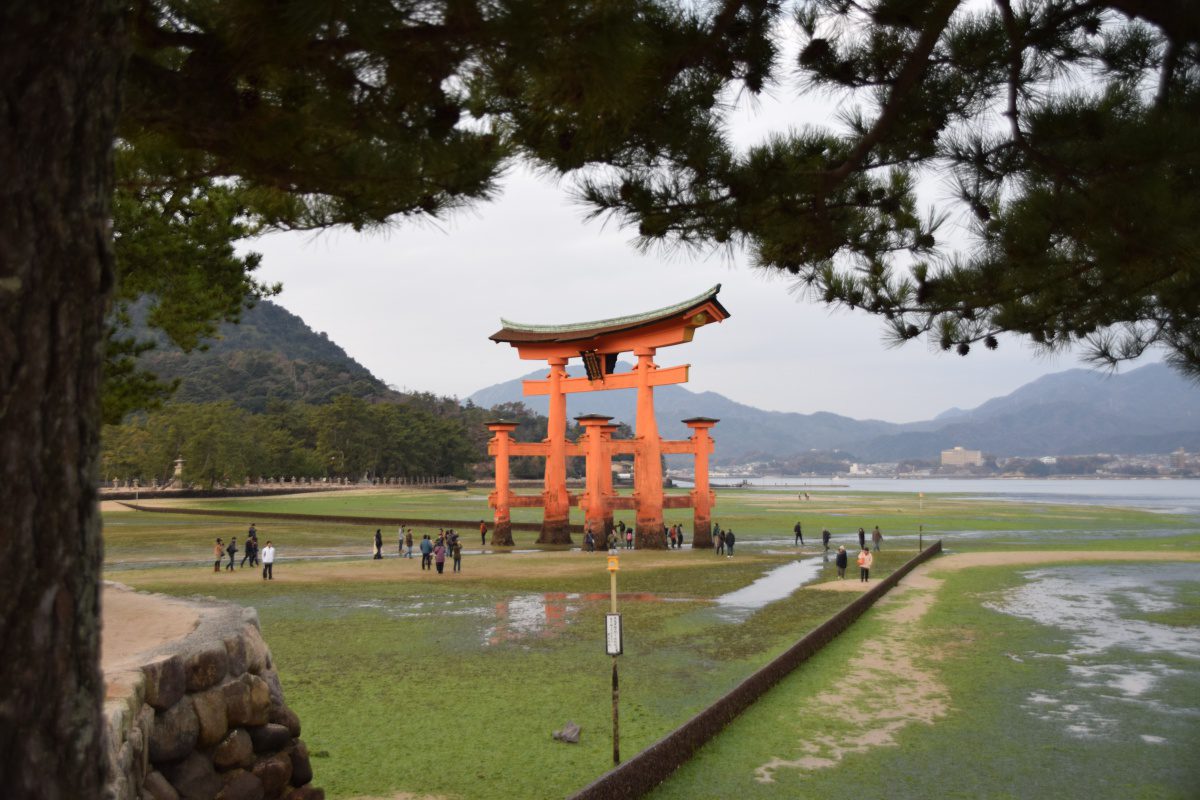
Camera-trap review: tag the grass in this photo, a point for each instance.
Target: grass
(991, 744)
(451, 685)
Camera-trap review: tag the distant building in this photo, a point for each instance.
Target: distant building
(1179, 459)
(1051, 460)
(959, 457)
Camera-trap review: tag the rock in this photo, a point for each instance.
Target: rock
(166, 681)
(275, 687)
(156, 787)
(247, 701)
(194, 778)
(257, 654)
(210, 711)
(206, 667)
(282, 715)
(301, 767)
(242, 785)
(306, 793)
(235, 649)
(274, 772)
(175, 732)
(235, 750)
(569, 733)
(270, 738)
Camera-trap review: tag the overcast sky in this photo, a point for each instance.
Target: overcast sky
(416, 304)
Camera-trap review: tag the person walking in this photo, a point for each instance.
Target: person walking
(456, 552)
(482, 533)
(439, 556)
(589, 541)
(248, 552)
(232, 550)
(629, 539)
(862, 539)
(825, 537)
(268, 561)
(378, 544)
(218, 554)
(720, 542)
(400, 543)
(842, 559)
(865, 560)
(877, 538)
(729, 540)
(408, 543)
(799, 539)
(426, 552)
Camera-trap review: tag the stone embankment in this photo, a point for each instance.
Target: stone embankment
(194, 706)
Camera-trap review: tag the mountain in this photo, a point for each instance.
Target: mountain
(1146, 410)
(270, 355)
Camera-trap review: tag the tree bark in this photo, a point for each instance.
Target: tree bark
(60, 66)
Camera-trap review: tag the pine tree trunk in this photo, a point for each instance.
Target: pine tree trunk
(60, 69)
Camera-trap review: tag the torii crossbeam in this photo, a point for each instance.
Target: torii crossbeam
(599, 344)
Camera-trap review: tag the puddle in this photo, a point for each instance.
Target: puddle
(775, 584)
(1097, 609)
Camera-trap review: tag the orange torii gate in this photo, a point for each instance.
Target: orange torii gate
(599, 344)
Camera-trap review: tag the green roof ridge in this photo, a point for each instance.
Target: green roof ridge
(632, 319)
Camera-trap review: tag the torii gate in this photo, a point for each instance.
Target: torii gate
(599, 344)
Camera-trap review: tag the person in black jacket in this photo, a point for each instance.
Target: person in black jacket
(232, 551)
(842, 559)
(729, 540)
(799, 535)
(378, 543)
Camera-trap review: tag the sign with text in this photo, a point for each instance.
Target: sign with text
(614, 644)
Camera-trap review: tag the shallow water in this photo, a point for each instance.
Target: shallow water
(1117, 664)
(773, 585)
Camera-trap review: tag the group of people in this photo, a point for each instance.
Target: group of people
(724, 540)
(865, 560)
(251, 553)
(876, 538)
(433, 551)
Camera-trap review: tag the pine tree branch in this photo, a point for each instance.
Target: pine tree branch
(909, 76)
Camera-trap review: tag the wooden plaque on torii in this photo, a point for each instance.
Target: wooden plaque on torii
(599, 344)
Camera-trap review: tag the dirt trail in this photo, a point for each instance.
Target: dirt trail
(890, 658)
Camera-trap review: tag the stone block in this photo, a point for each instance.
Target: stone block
(275, 687)
(156, 787)
(194, 777)
(145, 726)
(301, 766)
(210, 711)
(235, 649)
(241, 785)
(282, 715)
(274, 772)
(206, 667)
(175, 732)
(166, 681)
(270, 738)
(247, 701)
(257, 653)
(235, 750)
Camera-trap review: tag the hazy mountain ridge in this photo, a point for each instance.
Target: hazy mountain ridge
(1146, 410)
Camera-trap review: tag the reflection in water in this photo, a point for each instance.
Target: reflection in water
(542, 615)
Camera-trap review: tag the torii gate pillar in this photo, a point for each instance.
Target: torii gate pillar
(501, 498)
(703, 498)
(647, 460)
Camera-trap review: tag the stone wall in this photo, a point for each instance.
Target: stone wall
(203, 717)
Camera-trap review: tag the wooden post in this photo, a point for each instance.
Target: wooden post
(703, 498)
(501, 498)
(556, 527)
(647, 461)
(594, 500)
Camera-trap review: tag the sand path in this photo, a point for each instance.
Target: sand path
(890, 659)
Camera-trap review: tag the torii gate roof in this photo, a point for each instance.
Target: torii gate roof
(661, 327)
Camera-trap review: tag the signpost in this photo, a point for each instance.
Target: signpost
(920, 519)
(614, 645)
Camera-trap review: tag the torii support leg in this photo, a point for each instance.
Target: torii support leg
(500, 499)
(556, 521)
(647, 461)
(702, 496)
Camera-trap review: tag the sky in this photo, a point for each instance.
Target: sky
(415, 304)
